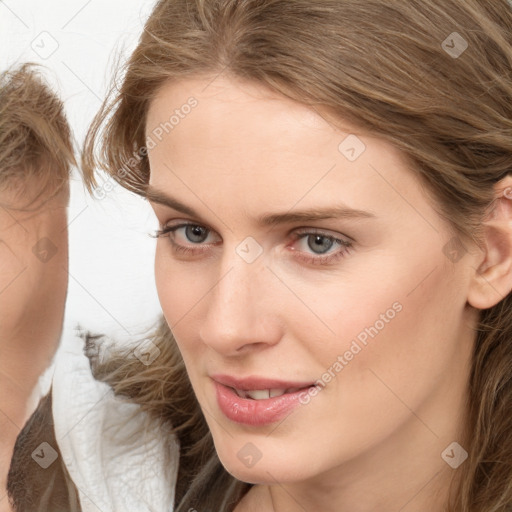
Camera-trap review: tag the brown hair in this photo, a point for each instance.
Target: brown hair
(36, 152)
(385, 67)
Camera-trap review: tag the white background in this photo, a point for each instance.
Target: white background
(111, 284)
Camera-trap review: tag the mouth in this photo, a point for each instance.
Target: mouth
(265, 394)
(257, 401)
(260, 388)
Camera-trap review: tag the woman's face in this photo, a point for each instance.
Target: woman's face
(298, 253)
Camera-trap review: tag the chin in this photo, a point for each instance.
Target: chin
(260, 471)
(250, 477)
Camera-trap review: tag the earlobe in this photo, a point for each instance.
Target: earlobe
(492, 279)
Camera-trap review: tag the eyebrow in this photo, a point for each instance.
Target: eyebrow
(156, 196)
(272, 219)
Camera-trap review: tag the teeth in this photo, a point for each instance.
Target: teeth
(261, 394)
(258, 394)
(264, 394)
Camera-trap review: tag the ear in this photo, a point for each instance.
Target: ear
(492, 280)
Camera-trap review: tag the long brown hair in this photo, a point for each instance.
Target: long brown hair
(388, 68)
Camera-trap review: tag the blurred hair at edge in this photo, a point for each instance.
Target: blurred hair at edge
(452, 119)
(36, 152)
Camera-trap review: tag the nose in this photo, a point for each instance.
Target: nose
(242, 312)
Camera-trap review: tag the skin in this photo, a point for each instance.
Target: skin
(372, 438)
(32, 301)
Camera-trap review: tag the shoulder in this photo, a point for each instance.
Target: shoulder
(116, 456)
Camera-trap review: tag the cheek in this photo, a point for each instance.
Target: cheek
(385, 364)
(34, 275)
(12, 295)
(369, 394)
(341, 313)
(397, 303)
(180, 288)
(402, 323)
(49, 254)
(171, 284)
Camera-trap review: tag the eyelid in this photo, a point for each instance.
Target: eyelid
(186, 222)
(173, 226)
(296, 232)
(321, 231)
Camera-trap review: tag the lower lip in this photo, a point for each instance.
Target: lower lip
(255, 412)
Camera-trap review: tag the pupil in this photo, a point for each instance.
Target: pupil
(196, 233)
(319, 244)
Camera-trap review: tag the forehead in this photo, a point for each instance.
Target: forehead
(251, 142)
(231, 103)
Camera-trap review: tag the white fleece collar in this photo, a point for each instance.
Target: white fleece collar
(113, 452)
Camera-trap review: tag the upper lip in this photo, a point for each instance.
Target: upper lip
(254, 382)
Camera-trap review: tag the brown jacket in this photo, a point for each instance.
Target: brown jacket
(31, 487)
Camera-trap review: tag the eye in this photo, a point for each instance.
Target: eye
(195, 234)
(189, 238)
(319, 247)
(319, 244)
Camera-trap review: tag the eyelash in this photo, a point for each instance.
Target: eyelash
(298, 235)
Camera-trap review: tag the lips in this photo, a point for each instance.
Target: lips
(256, 401)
